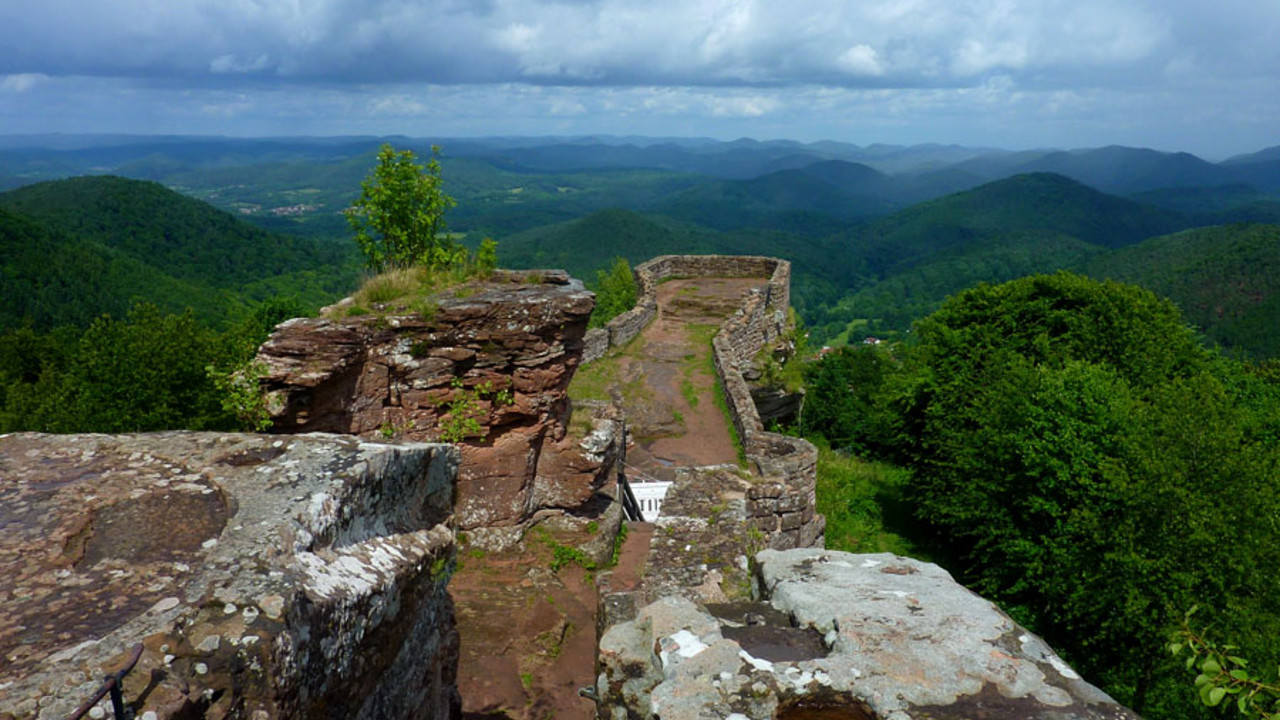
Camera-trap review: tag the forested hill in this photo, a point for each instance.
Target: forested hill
(73, 249)
(583, 245)
(53, 280)
(1226, 279)
(187, 238)
(1040, 202)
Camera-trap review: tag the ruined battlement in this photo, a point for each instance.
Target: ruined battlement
(782, 505)
(626, 326)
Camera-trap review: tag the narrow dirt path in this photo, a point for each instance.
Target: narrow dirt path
(528, 636)
(668, 381)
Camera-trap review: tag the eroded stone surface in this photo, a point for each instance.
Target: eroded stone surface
(904, 641)
(265, 576)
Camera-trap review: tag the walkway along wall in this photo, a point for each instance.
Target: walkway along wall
(782, 505)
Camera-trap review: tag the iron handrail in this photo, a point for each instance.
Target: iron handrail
(111, 685)
(630, 506)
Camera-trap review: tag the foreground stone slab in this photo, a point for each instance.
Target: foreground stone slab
(265, 576)
(849, 636)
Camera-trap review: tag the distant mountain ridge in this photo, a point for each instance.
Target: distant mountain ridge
(880, 275)
(744, 183)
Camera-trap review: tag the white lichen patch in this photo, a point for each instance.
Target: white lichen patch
(687, 644)
(755, 662)
(164, 605)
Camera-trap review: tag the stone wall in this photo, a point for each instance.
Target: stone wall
(626, 326)
(265, 577)
(491, 360)
(782, 506)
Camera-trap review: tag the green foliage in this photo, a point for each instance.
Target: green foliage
(781, 364)
(242, 394)
(1079, 452)
(486, 259)
(841, 397)
(1226, 279)
(417, 288)
(616, 293)
(1076, 456)
(863, 503)
(1221, 674)
(464, 413)
(74, 249)
(618, 541)
(564, 555)
(149, 371)
(398, 220)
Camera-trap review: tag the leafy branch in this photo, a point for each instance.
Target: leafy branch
(1220, 674)
(241, 393)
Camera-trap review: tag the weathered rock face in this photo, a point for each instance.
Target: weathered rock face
(266, 577)
(875, 636)
(496, 355)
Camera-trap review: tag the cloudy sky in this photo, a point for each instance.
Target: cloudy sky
(1196, 75)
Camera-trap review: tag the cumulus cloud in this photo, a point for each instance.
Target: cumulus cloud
(861, 60)
(741, 63)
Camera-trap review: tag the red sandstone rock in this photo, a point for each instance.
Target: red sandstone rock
(499, 354)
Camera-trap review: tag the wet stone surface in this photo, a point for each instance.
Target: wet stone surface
(765, 633)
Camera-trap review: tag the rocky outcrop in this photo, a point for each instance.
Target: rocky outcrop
(862, 637)
(265, 577)
(486, 363)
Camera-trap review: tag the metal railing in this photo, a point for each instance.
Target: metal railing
(630, 507)
(111, 685)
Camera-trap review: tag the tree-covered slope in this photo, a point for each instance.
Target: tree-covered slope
(184, 238)
(1040, 202)
(906, 264)
(53, 279)
(584, 245)
(889, 305)
(1226, 279)
(71, 250)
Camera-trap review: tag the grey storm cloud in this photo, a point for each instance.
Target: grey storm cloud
(1182, 74)
(849, 43)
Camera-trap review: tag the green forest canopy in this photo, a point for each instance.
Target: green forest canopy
(1092, 468)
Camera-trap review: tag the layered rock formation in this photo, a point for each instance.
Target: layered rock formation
(265, 577)
(487, 363)
(859, 637)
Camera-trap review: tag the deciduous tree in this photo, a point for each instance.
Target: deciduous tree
(398, 219)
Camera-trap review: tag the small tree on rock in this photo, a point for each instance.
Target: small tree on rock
(399, 217)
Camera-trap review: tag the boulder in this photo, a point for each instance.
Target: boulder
(264, 576)
(861, 637)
